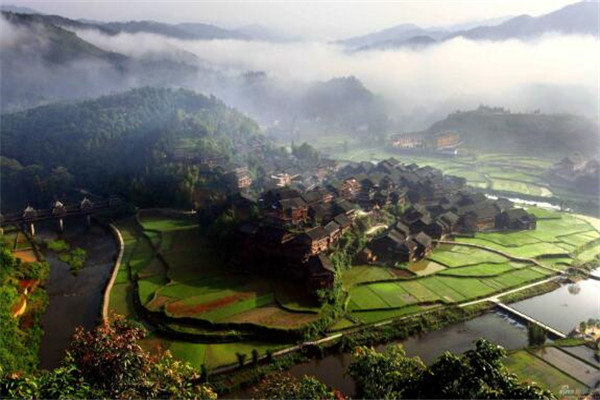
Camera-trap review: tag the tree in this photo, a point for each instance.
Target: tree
(478, 373)
(285, 386)
(305, 152)
(385, 375)
(107, 362)
(536, 335)
(108, 357)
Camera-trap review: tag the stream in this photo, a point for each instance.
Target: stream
(74, 300)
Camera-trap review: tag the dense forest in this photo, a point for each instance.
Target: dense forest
(136, 143)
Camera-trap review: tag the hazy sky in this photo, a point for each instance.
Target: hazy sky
(315, 19)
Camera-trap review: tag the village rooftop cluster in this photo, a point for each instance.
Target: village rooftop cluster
(296, 229)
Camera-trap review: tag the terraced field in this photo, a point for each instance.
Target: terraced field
(169, 268)
(179, 276)
(458, 273)
(559, 239)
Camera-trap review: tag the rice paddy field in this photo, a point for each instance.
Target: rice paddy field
(169, 268)
(456, 273)
(547, 373)
(559, 240)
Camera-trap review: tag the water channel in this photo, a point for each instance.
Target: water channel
(74, 300)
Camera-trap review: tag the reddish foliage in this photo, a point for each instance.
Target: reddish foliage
(28, 284)
(180, 308)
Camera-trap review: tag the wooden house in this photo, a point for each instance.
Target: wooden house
(320, 272)
(314, 241)
(516, 219)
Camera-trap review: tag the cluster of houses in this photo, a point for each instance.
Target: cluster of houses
(442, 142)
(295, 229)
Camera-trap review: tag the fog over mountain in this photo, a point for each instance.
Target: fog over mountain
(466, 71)
(415, 83)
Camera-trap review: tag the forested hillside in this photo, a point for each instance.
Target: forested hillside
(531, 133)
(125, 141)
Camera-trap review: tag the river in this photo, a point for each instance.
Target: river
(74, 300)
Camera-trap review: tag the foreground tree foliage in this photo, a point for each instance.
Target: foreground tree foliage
(477, 374)
(285, 386)
(108, 362)
(20, 336)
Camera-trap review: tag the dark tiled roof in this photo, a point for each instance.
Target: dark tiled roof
(423, 239)
(449, 217)
(331, 227)
(316, 233)
(321, 210)
(400, 227)
(343, 205)
(271, 234)
(392, 235)
(320, 263)
(295, 202)
(517, 213)
(342, 220)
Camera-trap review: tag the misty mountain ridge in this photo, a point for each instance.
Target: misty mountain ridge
(397, 34)
(413, 43)
(18, 9)
(533, 133)
(575, 19)
(42, 61)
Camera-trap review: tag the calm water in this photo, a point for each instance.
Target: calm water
(564, 308)
(74, 300)
(456, 338)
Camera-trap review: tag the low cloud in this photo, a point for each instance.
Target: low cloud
(554, 73)
(472, 72)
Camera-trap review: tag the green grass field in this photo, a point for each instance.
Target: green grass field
(459, 256)
(530, 368)
(365, 273)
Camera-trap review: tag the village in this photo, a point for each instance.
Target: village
(294, 230)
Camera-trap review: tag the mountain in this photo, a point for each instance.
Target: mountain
(463, 26)
(118, 142)
(42, 61)
(18, 9)
(497, 129)
(184, 31)
(579, 18)
(414, 43)
(55, 45)
(397, 33)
